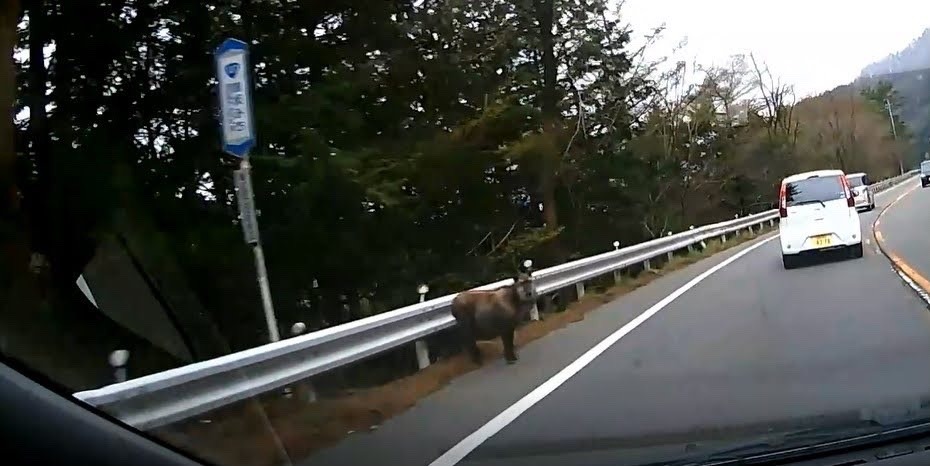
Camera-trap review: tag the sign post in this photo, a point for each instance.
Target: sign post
(238, 131)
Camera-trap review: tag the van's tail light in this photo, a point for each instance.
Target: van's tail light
(850, 200)
(782, 202)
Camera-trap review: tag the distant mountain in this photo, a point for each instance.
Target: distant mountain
(915, 57)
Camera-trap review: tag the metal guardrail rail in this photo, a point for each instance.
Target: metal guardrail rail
(188, 391)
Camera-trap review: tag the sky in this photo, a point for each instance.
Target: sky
(815, 45)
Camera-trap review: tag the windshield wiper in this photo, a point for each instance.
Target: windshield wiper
(809, 443)
(811, 201)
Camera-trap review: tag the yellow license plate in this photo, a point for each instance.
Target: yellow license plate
(822, 241)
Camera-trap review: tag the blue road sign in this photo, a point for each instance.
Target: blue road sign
(235, 94)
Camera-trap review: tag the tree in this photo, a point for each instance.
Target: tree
(9, 17)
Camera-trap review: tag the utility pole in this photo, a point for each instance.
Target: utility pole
(894, 131)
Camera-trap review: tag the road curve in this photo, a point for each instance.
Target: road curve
(904, 230)
(749, 347)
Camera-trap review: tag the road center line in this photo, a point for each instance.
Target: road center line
(910, 273)
(495, 425)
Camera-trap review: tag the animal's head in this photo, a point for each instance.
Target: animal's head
(523, 285)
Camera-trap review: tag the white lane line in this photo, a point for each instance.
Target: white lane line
(476, 438)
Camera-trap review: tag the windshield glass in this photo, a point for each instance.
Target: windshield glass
(347, 232)
(822, 188)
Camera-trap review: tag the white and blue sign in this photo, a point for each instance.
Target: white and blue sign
(234, 91)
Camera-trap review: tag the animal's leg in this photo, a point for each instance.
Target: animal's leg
(469, 340)
(507, 339)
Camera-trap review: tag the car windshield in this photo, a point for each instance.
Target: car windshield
(346, 232)
(816, 189)
(856, 181)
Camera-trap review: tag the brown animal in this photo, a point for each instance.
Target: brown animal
(485, 315)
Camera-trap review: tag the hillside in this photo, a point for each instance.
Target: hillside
(915, 57)
(908, 71)
(913, 89)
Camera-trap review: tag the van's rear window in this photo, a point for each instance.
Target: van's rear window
(925, 167)
(855, 181)
(821, 188)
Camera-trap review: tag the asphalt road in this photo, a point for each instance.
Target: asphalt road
(905, 231)
(748, 349)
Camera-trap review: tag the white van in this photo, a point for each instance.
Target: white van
(818, 213)
(925, 173)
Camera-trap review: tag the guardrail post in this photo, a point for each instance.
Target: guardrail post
(528, 268)
(772, 223)
(691, 246)
(617, 275)
(723, 238)
(647, 265)
(579, 289)
(304, 389)
(421, 347)
(670, 252)
(118, 360)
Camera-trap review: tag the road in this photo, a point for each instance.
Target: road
(729, 346)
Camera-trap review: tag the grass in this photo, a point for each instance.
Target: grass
(274, 429)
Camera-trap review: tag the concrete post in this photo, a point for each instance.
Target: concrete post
(528, 268)
(118, 360)
(422, 349)
(304, 389)
(670, 252)
(617, 275)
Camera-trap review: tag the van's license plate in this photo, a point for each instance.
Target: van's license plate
(822, 241)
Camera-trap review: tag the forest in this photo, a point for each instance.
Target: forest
(399, 143)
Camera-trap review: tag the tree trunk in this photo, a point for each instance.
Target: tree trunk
(17, 289)
(545, 14)
(39, 207)
(9, 14)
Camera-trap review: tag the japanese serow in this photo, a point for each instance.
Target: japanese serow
(485, 315)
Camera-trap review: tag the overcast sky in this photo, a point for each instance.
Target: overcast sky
(813, 44)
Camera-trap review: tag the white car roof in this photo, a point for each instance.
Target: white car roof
(855, 174)
(806, 175)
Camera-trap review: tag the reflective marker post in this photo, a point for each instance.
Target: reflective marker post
(238, 132)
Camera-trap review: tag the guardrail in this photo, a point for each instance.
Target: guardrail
(187, 391)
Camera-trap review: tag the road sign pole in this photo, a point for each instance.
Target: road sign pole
(250, 228)
(237, 128)
(266, 293)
